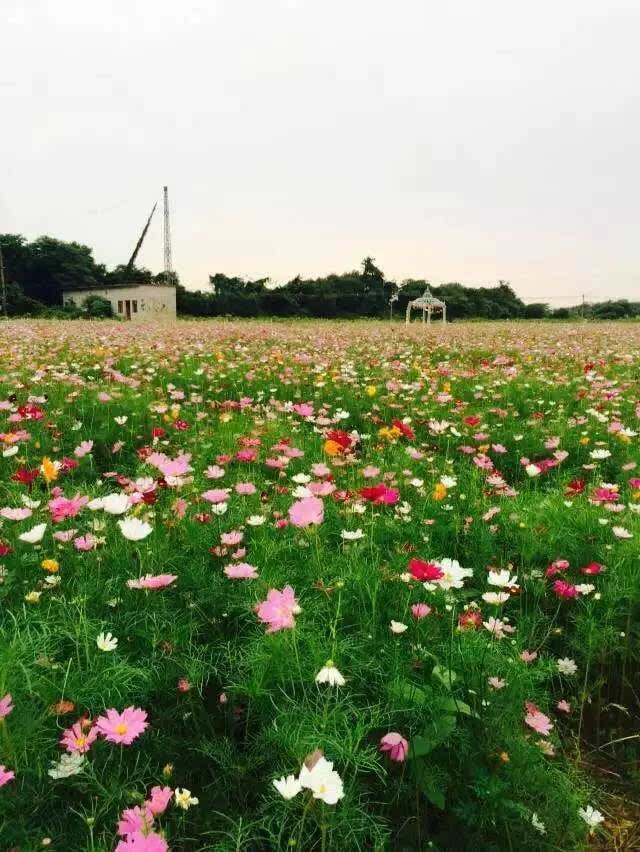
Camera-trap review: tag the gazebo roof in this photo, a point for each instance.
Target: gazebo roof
(427, 300)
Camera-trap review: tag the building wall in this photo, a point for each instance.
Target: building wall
(147, 301)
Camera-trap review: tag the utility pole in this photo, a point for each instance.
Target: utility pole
(583, 306)
(168, 277)
(3, 286)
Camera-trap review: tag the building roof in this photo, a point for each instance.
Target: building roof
(130, 286)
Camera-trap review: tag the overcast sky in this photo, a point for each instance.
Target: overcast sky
(455, 141)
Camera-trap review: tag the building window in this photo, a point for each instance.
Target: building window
(134, 305)
(119, 307)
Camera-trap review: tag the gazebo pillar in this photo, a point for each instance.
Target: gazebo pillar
(444, 314)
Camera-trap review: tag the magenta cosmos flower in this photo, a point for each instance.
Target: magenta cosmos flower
(395, 745)
(279, 609)
(153, 581)
(77, 739)
(122, 727)
(307, 512)
(5, 705)
(139, 842)
(159, 799)
(6, 775)
(135, 819)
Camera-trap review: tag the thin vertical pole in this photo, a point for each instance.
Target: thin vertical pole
(3, 286)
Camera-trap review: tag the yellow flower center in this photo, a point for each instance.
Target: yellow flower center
(121, 728)
(81, 741)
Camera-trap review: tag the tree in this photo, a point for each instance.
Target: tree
(56, 265)
(536, 310)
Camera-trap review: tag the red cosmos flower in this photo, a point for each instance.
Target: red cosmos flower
(31, 412)
(158, 432)
(181, 425)
(339, 437)
(5, 550)
(380, 494)
(605, 495)
(25, 476)
(424, 571)
(149, 497)
(575, 487)
(470, 620)
(592, 568)
(340, 496)
(407, 431)
(68, 464)
(203, 517)
(472, 420)
(563, 589)
(556, 567)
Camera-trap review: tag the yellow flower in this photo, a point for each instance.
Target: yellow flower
(32, 597)
(49, 470)
(389, 432)
(371, 390)
(635, 496)
(226, 417)
(584, 440)
(446, 387)
(50, 565)
(483, 448)
(439, 492)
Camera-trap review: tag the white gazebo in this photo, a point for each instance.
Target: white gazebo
(428, 304)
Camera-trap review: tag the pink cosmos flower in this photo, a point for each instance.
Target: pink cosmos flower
(370, 472)
(230, 539)
(83, 449)
(6, 775)
(420, 610)
(122, 727)
(171, 467)
(159, 799)
(20, 514)
(215, 472)
(216, 495)
(278, 610)
(135, 819)
(5, 706)
(183, 685)
(241, 571)
(497, 683)
(77, 739)
(320, 469)
(246, 455)
(307, 512)
(321, 489)
(245, 488)
(64, 507)
(85, 542)
(564, 706)
(536, 720)
(528, 656)
(152, 581)
(395, 745)
(64, 535)
(304, 409)
(139, 842)
(592, 568)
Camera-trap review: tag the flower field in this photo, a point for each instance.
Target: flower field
(322, 586)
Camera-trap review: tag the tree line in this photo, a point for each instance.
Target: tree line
(37, 272)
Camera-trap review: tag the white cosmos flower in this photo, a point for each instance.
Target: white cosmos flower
(567, 666)
(121, 420)
(219, 508)
(134, 529)
(449, 481)
(115, 504)
(256, 520)
(599, 454)
(454, 574)
(619, 532)
(323, 781)
(398, 626)
(503, 579)
(301, 492)
(592, 817)
(96, 504)
(68, 765)
(30, 504)
(360, 508)
(34, 535)
(330, 674)
(532, 470)
(537, 823)
(495, 598)
(184, 799)
(287, 787)
(10, 451)
(351, 535)
(301, 478)
(106, 642)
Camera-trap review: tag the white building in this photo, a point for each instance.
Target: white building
(135, 302)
